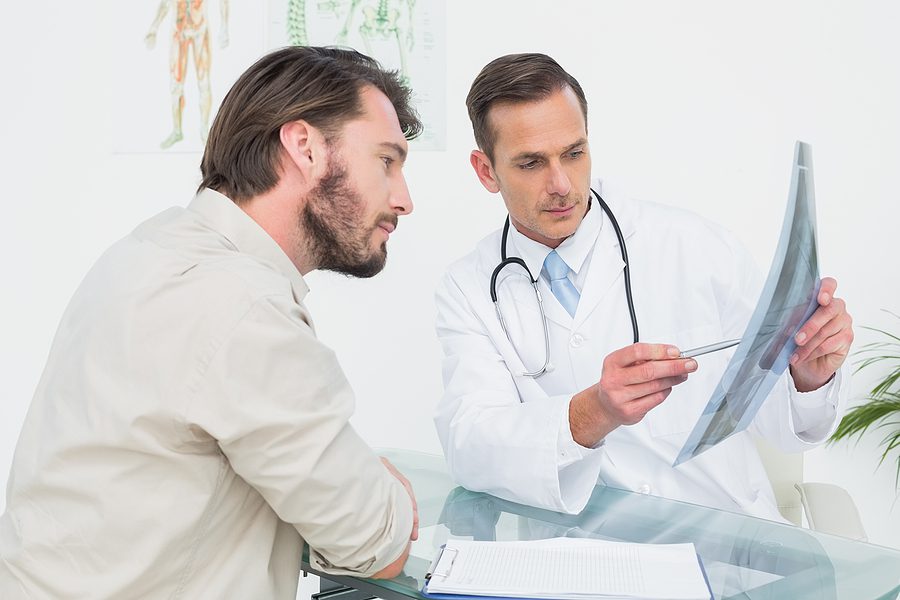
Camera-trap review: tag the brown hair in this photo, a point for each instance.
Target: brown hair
(319, 85)
(515, 78)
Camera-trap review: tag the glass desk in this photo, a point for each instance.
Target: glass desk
(744, 557)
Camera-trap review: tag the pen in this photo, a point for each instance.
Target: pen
(437, 557)
(710, 348)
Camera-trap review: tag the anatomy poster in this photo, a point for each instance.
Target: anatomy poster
(405, 35)
(173, 61)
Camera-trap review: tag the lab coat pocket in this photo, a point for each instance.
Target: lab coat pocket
(678, 413)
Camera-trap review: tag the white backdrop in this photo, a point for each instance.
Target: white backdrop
(694, 103)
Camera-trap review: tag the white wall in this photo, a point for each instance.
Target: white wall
(692, 103)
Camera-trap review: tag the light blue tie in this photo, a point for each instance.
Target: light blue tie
(557, 271)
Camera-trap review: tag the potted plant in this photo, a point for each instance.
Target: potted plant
(881, 408)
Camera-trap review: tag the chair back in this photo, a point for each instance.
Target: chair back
(784, 471)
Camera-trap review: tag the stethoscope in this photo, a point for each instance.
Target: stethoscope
(515, 260)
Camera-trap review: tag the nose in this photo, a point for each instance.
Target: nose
(401, 202)
(558, 182)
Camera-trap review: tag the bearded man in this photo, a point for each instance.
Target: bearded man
(189, 431)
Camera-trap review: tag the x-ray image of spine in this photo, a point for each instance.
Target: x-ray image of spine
(190, 36)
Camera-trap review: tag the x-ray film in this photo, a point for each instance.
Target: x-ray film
(786, 302)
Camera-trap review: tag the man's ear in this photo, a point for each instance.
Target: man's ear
(482, 165)
(306, 149)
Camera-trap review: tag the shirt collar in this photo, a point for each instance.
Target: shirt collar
(246, 235)
(574, 249)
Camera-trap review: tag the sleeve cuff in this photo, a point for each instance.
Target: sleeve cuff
(578, 468)
(815, 398)
(813, 413)
(394, 542)
(568, 451)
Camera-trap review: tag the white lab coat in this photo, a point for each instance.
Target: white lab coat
(693, 284)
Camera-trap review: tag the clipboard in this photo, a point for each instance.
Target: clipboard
(443, 596)
(445, 560)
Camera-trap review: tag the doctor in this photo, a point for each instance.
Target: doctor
(606, 409)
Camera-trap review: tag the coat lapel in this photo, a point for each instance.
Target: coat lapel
(520, 290)
(553, 309)
(607, 266)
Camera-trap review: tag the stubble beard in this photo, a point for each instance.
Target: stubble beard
(335, 234)
(546, 228)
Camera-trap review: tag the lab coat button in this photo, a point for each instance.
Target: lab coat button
(576, 340)
(644, 488)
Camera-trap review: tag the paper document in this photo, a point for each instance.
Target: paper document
(786, 302)
(569, 568)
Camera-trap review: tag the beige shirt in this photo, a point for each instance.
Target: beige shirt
(190, 431)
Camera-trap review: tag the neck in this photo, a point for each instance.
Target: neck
(278, 213)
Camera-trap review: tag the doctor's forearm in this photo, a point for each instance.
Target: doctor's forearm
(586, 420)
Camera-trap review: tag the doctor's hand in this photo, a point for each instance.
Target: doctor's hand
(823, 341)
(635, 379)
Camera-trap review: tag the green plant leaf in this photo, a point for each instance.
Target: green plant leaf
(881, 408)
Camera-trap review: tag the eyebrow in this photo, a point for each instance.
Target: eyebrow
(537, 155)
(400, 150)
